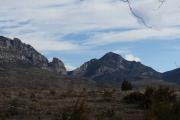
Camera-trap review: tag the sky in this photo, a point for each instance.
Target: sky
(79, 30)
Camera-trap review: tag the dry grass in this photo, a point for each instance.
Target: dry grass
(48, 104)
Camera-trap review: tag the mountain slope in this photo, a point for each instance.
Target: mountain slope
(21, 66)
(14, 54)
(112, 68)
(172, 76)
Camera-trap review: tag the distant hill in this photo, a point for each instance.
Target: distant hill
(112, 68)
(172, 76)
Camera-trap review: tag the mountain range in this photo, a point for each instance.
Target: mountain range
(109, 69)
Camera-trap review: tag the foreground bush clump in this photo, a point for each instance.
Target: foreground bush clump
(108, 95)
(159, 104)
(134, 98)
(126, 85)
(78, 111)
(164, 111)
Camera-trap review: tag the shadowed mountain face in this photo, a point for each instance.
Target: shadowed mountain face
(172, 76)
(112, 68)
(15, 54)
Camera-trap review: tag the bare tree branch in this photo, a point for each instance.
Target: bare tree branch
(177, 66)
(161, 3)
(136, 15)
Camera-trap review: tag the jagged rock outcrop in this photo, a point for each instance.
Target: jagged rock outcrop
(113, 68)
(57, 66)
(15, 54)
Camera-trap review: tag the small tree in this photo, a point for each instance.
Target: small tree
(126, 85)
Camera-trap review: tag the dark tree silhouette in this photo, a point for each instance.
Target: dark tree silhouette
(126, 85)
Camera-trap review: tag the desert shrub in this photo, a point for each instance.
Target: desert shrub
(52, 92)
(78, 111)
(162, 94)
(163, 111)
(108, 95)
(159, 104)
(32, 95)
(150, 96)
(126, 85)
(109, 114)
(12, 108)
(134, 98)
(21, 94)
(164, 105)
(176, 110)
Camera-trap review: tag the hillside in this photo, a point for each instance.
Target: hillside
(172, 76)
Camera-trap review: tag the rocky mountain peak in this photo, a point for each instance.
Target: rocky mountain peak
(113, 68)
(111, 57)
(57, 66)
(15, 53)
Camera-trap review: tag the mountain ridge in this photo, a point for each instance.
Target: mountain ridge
(110, 68)
(172, 76)
(115, 68)
(14, 53)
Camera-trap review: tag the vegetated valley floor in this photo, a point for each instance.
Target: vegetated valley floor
(48, 100)
(48, 104)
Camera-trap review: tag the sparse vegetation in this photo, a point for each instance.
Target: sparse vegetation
(50, 99)
(78, 111)
(135, 98)
(158, 103)
(108, 95)
(105, 104)
(126, 85)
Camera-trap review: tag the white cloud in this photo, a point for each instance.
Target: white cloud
(49, 21)
(135, 35)
(44, 24)
(43, 42)
(70, 67)
(131, 57)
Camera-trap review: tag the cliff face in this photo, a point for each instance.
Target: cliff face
(112, 68)
(15, 52)
(57, 66)
(18, 54)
